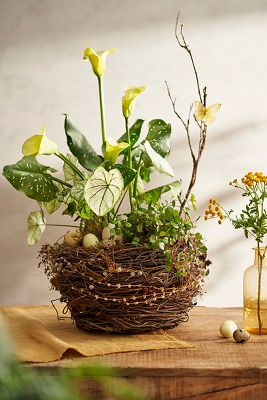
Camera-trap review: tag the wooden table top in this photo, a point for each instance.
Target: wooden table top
(212, 355)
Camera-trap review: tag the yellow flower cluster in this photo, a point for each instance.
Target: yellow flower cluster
(214, 210)
(254, 177)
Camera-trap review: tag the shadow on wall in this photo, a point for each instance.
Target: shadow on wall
(112, 13)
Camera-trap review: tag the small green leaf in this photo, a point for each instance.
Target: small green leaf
(31, 178)
(71, 209)
(139, 228)
(76, 193)
(140, 188)
(152, 239)
(134, 131)
(52, 205)
(36, 227)
(161, 245)
(103, 189)
(159, 136)
(193, 201)
(76, 202)
(153, 195)
(80, 147)
(157, 160)
(84, 211)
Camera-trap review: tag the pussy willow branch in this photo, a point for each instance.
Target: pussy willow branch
(186, 124)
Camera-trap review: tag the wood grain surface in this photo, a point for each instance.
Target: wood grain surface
(215, 368)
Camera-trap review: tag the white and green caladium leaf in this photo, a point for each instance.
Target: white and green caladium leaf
(36, 227)
(153, 195)
(158, 162)
(80, 147)
(31, 178)
(158, 136)
(103, 189)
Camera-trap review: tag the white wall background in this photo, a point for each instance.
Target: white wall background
(43, 76)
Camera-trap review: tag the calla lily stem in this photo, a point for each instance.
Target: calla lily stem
(61, 182)
(102, 111)
(70, 164)
(129, 161)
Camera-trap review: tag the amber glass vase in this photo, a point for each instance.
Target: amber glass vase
(255, 294)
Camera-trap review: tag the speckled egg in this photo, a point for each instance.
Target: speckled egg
(241, 335)
(227, 328)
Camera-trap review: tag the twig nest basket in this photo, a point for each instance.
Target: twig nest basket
(124, 288)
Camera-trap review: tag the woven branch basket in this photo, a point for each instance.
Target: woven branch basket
(124, 288)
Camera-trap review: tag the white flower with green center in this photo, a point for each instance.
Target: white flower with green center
(113, 149)
(39, 145)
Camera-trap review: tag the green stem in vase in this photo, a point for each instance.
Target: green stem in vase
(260, 261)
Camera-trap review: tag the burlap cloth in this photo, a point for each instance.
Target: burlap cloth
(39, 336)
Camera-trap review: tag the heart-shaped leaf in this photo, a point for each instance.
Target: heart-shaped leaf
(103, 189)
(134, 131)
(80, 147)
(158, 162)
(153, 195)
(128, 174)
(36, 227)
(159, 136)
(31, 178)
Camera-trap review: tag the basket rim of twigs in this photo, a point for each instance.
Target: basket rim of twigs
(124, 288)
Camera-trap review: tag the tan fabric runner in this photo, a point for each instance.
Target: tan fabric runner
(40, 337)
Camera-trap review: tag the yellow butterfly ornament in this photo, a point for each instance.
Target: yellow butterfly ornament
(205, 114)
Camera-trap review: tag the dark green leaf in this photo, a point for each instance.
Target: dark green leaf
(71, 209)
(31, 178)
(159, 136)
(80, 147)
(135, 132)
(128, 174)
